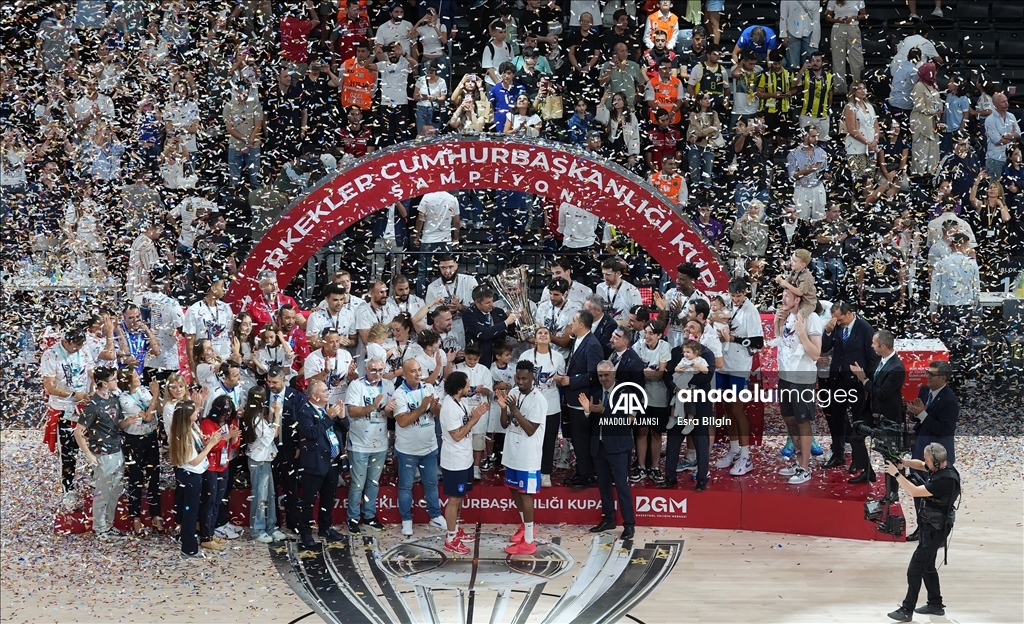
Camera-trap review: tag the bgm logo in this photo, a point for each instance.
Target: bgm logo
(632, 402)
(660, 505)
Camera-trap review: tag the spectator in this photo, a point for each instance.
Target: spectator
(359, 78)
(757, 39)
(925, 121)
(829, 235)
(662, 21)
(671, 184)
(816, 84)
(709, 76)
(432, 36)
(799, 30)
(295, 35)
(702, 137)
(504, 94)
(862, 131)
(665, 92)
(917, 40)
(1001, 129)
(352, 29)
(243, 121)
(806, 165)
(395, 30)
(394, 69)
(430, 94)
(621, 75)
(956, 114)
(496, 53)
(619, 30)
(901, 95)
(622, 128)
(846, 40)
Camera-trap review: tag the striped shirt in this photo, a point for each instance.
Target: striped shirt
(799, 160)
(816, 90)
(775, 82)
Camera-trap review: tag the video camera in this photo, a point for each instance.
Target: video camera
(892, 441)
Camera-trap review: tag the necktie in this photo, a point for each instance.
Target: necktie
(846, 333)
(615, 359)
(931, 397)
(604, 401)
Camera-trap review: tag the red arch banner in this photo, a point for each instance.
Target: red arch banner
(555, 171)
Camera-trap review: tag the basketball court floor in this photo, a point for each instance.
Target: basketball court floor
(663, 575)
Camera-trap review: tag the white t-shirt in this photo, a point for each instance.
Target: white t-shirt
(390, 32)
(678, 322)
(166, 318)
(412, 305)
(578, 293)
(557, 319)
(439, 209)
(499, 375)
(523, 452)
(319, 320)
(455, 454)
(850, 8)
(926, 47)
(368, 434)
(70, 371)
(181, 114)
(434, 89)
(191, 447)
(744, 102)
(418, 438)
(620, 300)
(268, 356)
(479, 377)
(431, 40)
(545, 367)
(367, 316)
(494, 55)
(794, 365)
(657, 393)
(210, 323)
(337, 377)
(578, 227)
(394, 81)
(428, 364)
(187, 210)
(745, 323)
(133, 404)
(265, 447)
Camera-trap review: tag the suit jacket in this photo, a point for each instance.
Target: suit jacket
(603, 331)
(784, 245)
(940, 424)
(315, 446)
(581, 369)
(630, 368)
(611, 438)
(856, 348)
(886, 389)
(289, 439)
(700, 381)
(484, 333)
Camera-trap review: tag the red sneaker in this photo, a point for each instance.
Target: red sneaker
(465, 537)
(522, 548)
(456, 546)
(519, 535)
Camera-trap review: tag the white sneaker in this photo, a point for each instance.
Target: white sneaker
(789, 471)
(476, 473)
(545, 480)
(225, 533)
(938, 12)
(69, 502)
(279, 536)
(800, 476)
(407, 528)
(264, 538)
(742, 466)
(729, 459)
(439, 523)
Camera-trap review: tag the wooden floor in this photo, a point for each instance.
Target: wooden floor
(720, 576)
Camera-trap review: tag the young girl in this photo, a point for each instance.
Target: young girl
(275, 350)
(375, 339)
(188, 454)
(622, 128)
(243, 347)
(222, 418)
(546, 364)
(143, 447)
(209, 364)
(261, 426)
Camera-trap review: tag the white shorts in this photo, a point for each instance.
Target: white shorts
(821, 123)
(810, 202)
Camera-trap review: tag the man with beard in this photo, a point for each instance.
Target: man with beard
(561, 268)
(296, 338)
(556, 314)
(319, 89)
(379, 311)
(403, 299)
(676, 302)
(164, 315)
(336, 314)
(455, 290)
(209, 319)
(394, 68)
(355, 138)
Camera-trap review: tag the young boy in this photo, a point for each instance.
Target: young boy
(800, 282)
(479, 394)
(523, 413)
(457, 422)
(502, 372)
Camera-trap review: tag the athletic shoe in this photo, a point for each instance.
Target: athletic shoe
(224, 532)
(522, 548)
(279, 536)
(789, 471)
(938, 12)
(407, 528)
(213, 545)
(788, 450)
(374, 524)
(439, 523)
(456, 546)
(477, 475)
(519, 535)
(545, 480)
(687, 466)
(234, 528)
(109, 535)
(263, 538)
(487, 464)
(800, 476)
(654, 474)
(464, 537)
(728, 460)
(816, 449)
(353, 527)
(931, 610)
(198, 555)
(914, 17)
(902, 614)
(742, 466)
(636, 475)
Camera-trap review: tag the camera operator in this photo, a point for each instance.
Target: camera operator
(938, 495)
(937, 411)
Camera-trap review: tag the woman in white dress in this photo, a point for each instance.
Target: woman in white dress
(861, 131)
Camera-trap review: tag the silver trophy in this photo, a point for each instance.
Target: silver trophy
(512, 285)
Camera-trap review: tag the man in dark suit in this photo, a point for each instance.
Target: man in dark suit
(611, 445)
(604, 324)
(937, 411)
(320, 431)
(485, 323)
(286, 465)
(788, 233)
(699, 435)
(885, 386)
(849, 337)
(579, 378)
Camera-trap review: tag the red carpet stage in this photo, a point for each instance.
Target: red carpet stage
(759, 501)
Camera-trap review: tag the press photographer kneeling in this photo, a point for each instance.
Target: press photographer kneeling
(939, 494)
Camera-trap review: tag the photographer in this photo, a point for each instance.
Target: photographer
(938, 495)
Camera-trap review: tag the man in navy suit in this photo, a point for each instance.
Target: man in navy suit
(611, 445)
(320, 431)
(849, 338)
(604, 324)
(285, 465)
(885, 386)
(579, 378)
(485, 323)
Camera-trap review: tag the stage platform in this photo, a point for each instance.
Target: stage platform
(762, 500)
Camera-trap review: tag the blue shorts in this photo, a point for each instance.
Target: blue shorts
(732, 381)
(715, 5)
(457, 483)
(523, 480)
